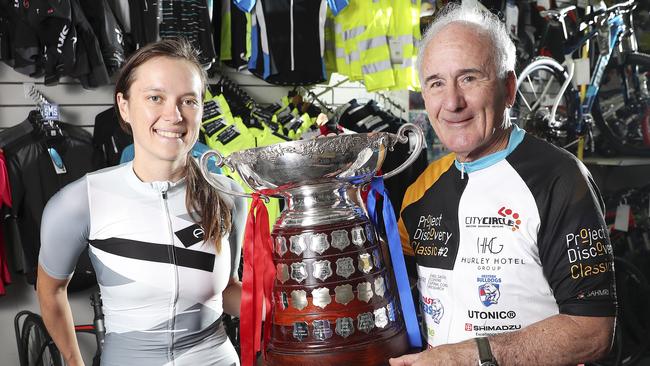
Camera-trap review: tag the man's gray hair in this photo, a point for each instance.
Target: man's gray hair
(503, 48)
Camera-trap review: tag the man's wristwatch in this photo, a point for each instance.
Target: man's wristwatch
(485, 356)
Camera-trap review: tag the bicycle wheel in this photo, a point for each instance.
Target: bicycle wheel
(624, 125)
(38, 346)
(538, 88)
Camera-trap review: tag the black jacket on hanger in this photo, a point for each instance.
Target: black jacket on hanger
(34, 181)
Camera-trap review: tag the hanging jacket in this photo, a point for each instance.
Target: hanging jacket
(34, 179)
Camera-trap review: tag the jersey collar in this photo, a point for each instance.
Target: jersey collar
(155, 187)
(516, 137)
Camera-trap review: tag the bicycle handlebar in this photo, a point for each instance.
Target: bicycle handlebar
(621, 8)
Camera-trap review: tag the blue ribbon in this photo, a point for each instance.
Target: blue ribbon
(397, 258)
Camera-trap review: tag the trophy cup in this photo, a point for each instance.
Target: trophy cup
(334, 298)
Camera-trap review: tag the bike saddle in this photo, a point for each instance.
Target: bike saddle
(558, 14)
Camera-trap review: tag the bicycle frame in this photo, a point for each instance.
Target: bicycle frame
(617, 28)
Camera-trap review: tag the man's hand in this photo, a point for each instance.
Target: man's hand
(457, 354)
(558, 340)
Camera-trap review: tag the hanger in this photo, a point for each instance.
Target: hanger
(49, 112)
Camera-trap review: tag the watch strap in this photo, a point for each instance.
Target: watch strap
(485, 356)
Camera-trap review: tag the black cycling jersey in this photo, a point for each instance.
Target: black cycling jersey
(507, 240)
(190, 19)
(108, 32)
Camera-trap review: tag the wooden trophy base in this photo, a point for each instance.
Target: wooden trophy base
(374, 353)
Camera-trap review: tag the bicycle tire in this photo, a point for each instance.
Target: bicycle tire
(537, 89)
(625, 127)
(38, 347)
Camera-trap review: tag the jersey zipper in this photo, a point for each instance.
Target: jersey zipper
(462, 170)
(172, 257)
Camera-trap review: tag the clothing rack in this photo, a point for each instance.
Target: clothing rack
(45, 108)
(32, 92)
(387, 100)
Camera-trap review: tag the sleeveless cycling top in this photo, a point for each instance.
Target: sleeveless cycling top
(507, 240)
(161, 284)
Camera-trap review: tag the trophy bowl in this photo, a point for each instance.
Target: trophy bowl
(335, 299)
(351, 158)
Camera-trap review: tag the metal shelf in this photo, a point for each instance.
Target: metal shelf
(617, 161)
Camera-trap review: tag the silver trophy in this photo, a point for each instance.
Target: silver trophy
(334, 300)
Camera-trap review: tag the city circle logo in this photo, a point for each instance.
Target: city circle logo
(508, 213)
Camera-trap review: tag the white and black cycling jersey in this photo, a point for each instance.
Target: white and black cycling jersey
(161, 283)
(506, 241)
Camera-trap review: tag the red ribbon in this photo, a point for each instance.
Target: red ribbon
(257, 284)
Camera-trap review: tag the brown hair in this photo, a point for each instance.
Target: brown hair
(201, 198)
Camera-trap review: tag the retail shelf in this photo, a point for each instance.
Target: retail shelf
(617, 160)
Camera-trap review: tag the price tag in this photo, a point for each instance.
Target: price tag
(622, 220)
(396, 52)
(512, 18)
(57, 162)
(50, 112)
(546, 4)
(581, 73)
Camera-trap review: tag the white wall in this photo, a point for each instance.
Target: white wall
(79, 106)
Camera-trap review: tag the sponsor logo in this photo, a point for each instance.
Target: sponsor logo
(593, 293)
(475, 314)
(491, 328)
(437, 282)
(489, 293)
(433, 308)
(589, 252)
(426, 230)
(488, 289)
(587, 270)
(190, 235)
(62, 35)
(506, 218)
(491, 261)
(118, 35)
(430, 250)
(487, 245)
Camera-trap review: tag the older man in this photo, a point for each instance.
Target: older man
(513, 256)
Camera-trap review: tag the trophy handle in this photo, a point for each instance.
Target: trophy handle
(204, 160)
(402, 138)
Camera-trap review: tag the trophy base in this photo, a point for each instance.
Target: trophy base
(374, 353)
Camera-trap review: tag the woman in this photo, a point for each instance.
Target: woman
(164, 244)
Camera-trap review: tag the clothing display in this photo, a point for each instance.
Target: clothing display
(280, 27)
(189, 19)
(174, 272)
(5, 201)
(370, 118)
(55, 39)
(39, 165)
(516, 237)
(109, 139)
(108, 31)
